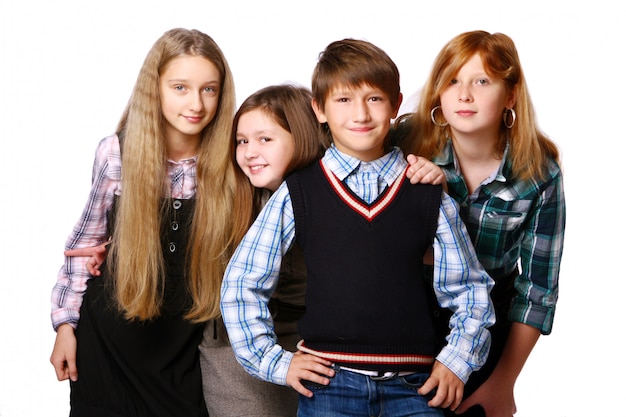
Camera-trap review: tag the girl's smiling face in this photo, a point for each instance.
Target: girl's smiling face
(189, 90)
(263, 149)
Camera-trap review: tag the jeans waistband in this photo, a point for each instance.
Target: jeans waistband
(376, 375)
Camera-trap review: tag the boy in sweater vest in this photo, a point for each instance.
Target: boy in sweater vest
(369, 346)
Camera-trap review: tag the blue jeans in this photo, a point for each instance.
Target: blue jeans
(351, 394)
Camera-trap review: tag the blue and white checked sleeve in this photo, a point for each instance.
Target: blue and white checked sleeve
(249, 281)
(462, 285)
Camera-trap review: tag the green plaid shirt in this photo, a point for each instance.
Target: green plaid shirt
(511, 221)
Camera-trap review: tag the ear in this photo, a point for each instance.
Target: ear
(511, 100)
(397, 109)
(319, 113)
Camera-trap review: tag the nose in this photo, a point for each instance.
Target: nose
(195, 102)
(360, 111)
(465, 94)
(251, 149)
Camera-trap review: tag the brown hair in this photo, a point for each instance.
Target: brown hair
(352, 63)
(290, 107)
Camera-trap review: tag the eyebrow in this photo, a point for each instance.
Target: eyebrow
(184, 80)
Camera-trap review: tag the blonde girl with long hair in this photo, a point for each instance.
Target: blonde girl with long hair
(476, 121)
(162, 188)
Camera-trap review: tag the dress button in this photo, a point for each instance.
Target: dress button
(172, 247)
(176, 204)
(174, 225)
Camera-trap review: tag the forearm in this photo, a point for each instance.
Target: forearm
(519, 345)
(540, 259)
(462, 285)
(250, 328)
(67, 294)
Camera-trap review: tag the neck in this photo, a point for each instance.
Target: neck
(182, 147)
(477, 149)
(365, 155)
(477, 159)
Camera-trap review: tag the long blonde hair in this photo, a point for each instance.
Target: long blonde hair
(528, 145)
(136, 254)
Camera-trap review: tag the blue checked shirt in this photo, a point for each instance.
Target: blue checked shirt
(510, 222)
(461, 284)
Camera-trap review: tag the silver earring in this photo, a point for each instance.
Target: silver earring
(432, 117)
(505, 118)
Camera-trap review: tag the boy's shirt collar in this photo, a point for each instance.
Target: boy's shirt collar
(388, 167)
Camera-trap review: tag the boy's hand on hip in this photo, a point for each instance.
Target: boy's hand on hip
(307, 367)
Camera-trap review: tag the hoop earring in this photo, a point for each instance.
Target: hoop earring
(505, 118)
(432, 117)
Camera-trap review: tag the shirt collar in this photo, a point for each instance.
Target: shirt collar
(448, 158)
(190, 160)
(388, 167)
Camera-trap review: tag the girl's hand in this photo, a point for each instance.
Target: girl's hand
(308, 367)
(449, 387)
(423, 171)
(97, 255)
(495, 397)
(63, 356)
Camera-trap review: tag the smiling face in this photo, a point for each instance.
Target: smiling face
(359, 120)
(189, 88)
(473, 102)
(263, 149)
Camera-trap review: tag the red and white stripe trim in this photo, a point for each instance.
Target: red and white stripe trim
(371, 359)
(359, 206)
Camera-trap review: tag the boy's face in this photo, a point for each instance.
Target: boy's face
(359, 120)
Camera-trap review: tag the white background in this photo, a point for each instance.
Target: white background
(67, 69)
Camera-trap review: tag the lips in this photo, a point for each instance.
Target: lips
(361, 129)
(193, 119)
(256, 168)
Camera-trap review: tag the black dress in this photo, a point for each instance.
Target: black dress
(141, 368)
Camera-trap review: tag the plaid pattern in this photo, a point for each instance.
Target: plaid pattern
(252, 275)
(91, 228)
(510, 222)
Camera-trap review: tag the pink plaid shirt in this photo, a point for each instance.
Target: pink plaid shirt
(90, 230)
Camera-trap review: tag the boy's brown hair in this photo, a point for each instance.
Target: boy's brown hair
(353, 63)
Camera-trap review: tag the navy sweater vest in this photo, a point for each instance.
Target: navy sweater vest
(365, 291)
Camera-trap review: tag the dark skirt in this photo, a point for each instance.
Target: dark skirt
(140, 368)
